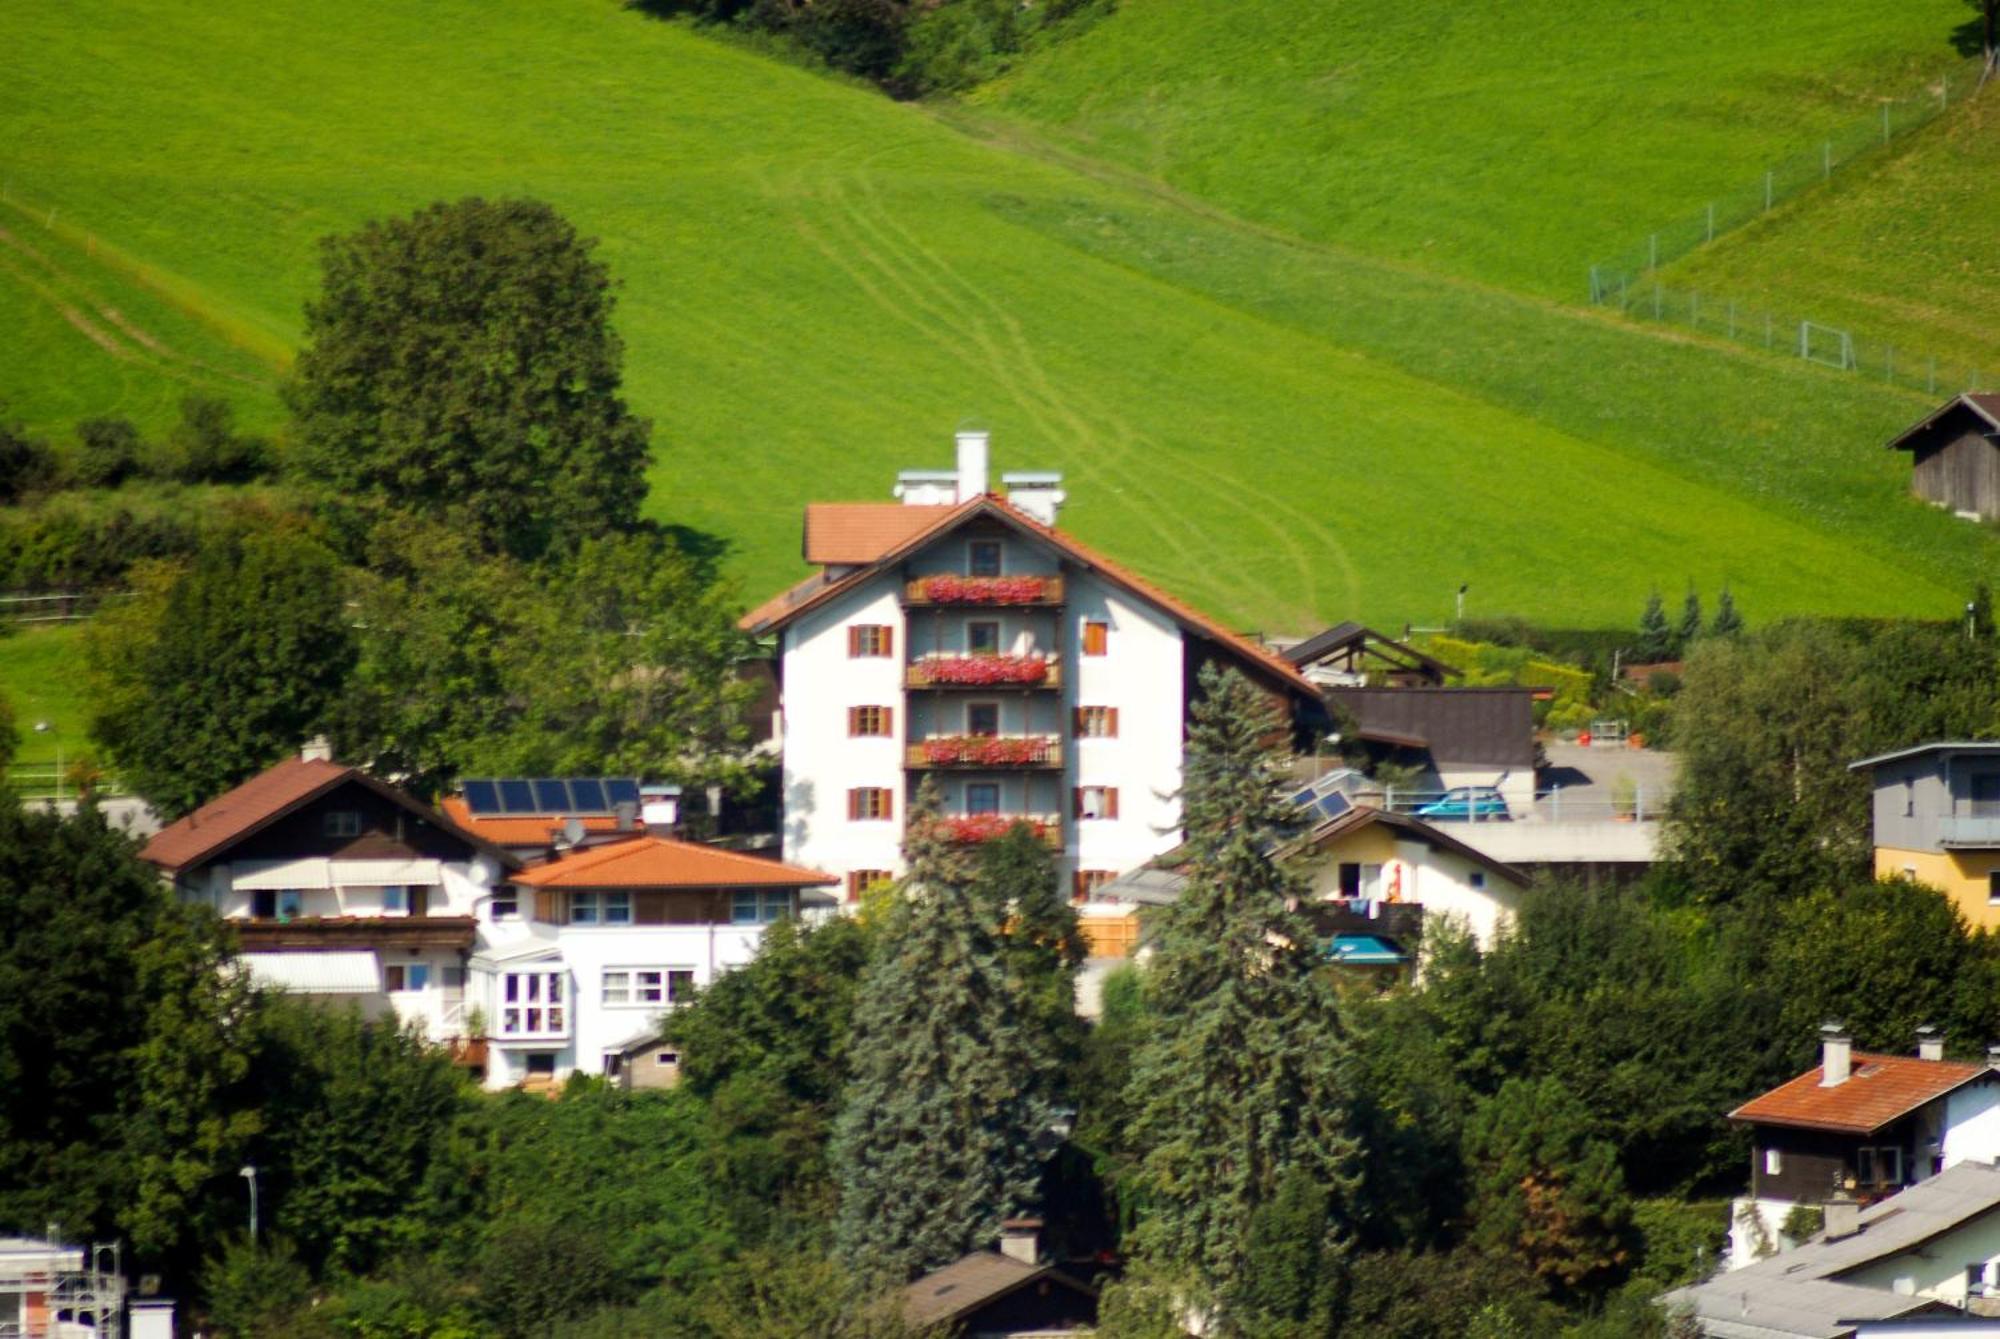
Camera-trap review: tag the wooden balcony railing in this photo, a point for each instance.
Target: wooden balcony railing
(982, 752)
(972, 829)
(1017, 592)
(332, 932)
(983, 673)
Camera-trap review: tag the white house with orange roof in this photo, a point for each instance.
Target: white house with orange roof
(958, 634)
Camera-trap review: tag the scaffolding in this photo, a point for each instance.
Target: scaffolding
(52, 1291)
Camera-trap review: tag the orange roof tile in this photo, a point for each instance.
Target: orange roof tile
(502, 830)
(861, 532)
(775, 613)
(1880, 1088)
(657, 862)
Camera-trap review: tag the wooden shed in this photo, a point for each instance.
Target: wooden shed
(1955, 455)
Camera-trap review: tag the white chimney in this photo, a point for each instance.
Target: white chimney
(1993, 1056)
(971, 464)
(1842, 1217)
(1021, 1239)
(1930, 1043)
(1039, 495)
(317, 749)
(1836, 1055)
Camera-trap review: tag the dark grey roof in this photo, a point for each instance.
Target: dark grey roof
(1492, 727)
(1939, 746)
(1351, 636)
(1984, 406)
(971, 1281)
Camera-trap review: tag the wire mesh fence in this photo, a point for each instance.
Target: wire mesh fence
(1630, 281)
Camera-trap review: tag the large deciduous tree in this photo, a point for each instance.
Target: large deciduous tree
(937, 1141)
(461, 362)
(213, 671)
(1239, 1086)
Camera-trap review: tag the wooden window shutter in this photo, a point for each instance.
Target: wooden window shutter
(853, 805)
(1111, 722)
(853, 642)
(1076, 718)
(1111, 801)
(889, 721)
(1076, 802)
(853, 721)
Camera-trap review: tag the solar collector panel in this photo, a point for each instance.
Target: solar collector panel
(621, 790)
(516, 796)
(586, 795)
(482, 797)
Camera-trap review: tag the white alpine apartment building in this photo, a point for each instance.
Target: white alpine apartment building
(957, 634)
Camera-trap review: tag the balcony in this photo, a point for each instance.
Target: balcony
(1014, 592)
(354, 932)
(975, 829)
(1976, 830)
(983, 673)
(986, 752)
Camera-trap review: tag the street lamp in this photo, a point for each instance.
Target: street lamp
(45, 728)
(249, 1173)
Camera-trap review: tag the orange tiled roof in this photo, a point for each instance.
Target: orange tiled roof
(775, 612)
(1880, 1088)
(861, 532)
(237, 813)
(502, 830)
(657, 862)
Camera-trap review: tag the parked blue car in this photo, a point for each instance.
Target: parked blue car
(1467, 802)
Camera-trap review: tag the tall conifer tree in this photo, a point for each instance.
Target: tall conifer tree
(1014, 881)
(936, 1140)
(1728, 623)
(1238, 1087)
(1656, 638)
(1689, 628)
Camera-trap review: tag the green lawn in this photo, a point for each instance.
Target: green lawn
(41, 675)
(1897, 251)
(1513, 141)
(819, 285)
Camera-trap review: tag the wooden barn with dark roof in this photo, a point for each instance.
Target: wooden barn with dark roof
(1955, 455)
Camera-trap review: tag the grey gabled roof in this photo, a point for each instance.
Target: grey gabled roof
(1799, 1292)
(1936, 746)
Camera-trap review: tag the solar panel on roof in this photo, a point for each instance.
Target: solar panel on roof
(587, 795)
(621, 790)
(516, 797)
(482, 797)
(551, 795)
(1332, 806)
(1304, 797)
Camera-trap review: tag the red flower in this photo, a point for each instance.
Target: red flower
(985, 749)
(984, 827)
(983, 669)
(983, 590)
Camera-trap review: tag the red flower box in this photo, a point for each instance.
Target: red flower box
(984, 669)
(985, 749)
(972, 828)
(983, 590)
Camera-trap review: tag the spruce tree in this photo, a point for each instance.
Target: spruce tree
(1238, 1086)
(1655, 637)
(1014, 882)
(936, 1139)
(1728, 623)
(1689, 627)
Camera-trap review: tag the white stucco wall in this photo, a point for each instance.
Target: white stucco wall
(1442, 881)
(1972, 1123)
(1937, 1268)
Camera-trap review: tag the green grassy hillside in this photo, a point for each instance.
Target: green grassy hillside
(40, 677)
(818, 285)
(1898, 250)
(1516, 142)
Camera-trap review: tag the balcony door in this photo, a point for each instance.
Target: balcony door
(1986, 795)
(982, 719)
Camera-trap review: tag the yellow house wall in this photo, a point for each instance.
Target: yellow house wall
(1438, 879)
(1962, 875)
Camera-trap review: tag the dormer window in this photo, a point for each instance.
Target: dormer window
(983, 558)
(342, 823)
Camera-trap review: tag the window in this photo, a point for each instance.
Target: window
(1088, 881)
(291, 904)
(451, 977)
(982, 798)
(1350, 880)
(506, 904)
(752, 907)
(982, 718)
(401, 976)
(1774, 1162)
(1909, 797)
(860, 881)
(395, 901)
(264, 904)
(870, 639)
(667, 1058)
(870, 722)
(279, 904)
(1993, 889)
(1097, 801)
(532, 1004)
(867, 803)
(1476, 879)
(341, 823)
(982, 637)
(600, 908)
(542, 1062)
(625, 986)
(1975, 1279)
(984, 558)
(1881, 1166)
(1096, 637)
(1097, 722)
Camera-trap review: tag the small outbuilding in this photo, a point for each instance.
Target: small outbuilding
(1955, 455)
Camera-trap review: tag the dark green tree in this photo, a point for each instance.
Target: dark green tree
(461, 363)
(204, 447)
(1292, 1264)
(1014, 882)
(1544, 1190)
(27, 464)
(1239, 1086)
(1728, 623)
(1656, 638)
(1688, 630)
(938, 1139)
(261, 1290)
(122, 1055)
(212, 672)
(108, 452)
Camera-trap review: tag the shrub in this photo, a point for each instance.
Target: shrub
(27, 465)
(108, 452)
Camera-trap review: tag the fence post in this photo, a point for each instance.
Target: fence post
(1933, 380)
(1656, 302)
(1885, 123)
(1711, 220)
(1653, 252)
(1596, 292)
(1889, 364)
(1694, 309)
(1826, 161)
(1803, 339)
(1767, 192)
(1732, 318)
